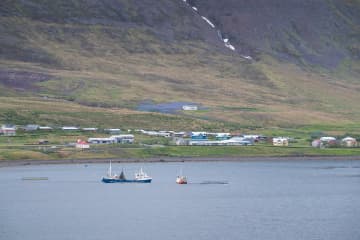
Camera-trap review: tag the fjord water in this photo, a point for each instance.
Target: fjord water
(263, 200)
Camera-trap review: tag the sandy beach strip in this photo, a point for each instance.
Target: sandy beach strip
(10, 163)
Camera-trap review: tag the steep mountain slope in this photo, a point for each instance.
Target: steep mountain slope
(293, 62)
(322, 32)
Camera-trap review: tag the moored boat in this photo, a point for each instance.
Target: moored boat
(181, 179)
(140, 177)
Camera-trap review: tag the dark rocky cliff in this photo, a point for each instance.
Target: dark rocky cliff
(321, 32)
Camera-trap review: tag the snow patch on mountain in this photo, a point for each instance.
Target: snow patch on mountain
(226, 41)
(231, 47)
(208, 21)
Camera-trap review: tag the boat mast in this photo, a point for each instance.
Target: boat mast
(109, 172)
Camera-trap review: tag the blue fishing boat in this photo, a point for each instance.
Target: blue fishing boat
(140, 177)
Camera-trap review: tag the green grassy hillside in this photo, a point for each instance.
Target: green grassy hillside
(93, 62)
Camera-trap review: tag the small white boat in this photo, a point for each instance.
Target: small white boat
(141, 176)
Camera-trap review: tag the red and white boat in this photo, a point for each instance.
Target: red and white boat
(181, 179)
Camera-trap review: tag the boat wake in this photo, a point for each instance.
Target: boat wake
(211, 182)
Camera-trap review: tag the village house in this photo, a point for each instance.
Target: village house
(156, 133)
(43, 142)
(112, 130)
(349, 142)
(8, 130)
(178, 134)
(69, 128)
(239, 141)
(280, 141)
(123, 138)
(222, 136)
(328, 141)
(316, 143)
(31, 127)
(80, 144)
(90, 129)
(101, 140)
(256, 138)
(45, 128)
(199, 136)
(190, 107)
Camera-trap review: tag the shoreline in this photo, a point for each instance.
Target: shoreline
(14, 163)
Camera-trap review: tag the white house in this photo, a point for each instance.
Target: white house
(222, 136)
(31, 127)
(45, 128)
(316, 143)
(8, 130)
(327, 139)
(156, 133)
(69, 128)
(251, 136)
(90, 129)
(101, 140)
(113, 130)
(123, 138)
(190, 107)
(349, 142)
(280, 141)
(232, 141)
(238, 141)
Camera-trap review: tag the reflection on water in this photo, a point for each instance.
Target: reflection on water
(335, 167)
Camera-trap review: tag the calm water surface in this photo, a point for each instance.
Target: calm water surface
(263, 200)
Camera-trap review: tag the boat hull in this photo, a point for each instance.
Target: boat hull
(181, 182)
(112, 180)
(142, 180)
